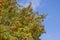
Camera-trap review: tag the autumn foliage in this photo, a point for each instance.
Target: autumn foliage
(19, 23)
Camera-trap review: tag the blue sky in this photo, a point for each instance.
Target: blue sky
(52, 21)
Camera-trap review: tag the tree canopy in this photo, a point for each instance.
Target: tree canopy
(19, 23)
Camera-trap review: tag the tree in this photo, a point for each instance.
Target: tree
(19, 23)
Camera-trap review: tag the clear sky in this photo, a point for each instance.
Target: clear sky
(52, 21)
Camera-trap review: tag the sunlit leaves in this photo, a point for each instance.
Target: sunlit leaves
(0, 2)
(22, 25)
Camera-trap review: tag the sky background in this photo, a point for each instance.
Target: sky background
(52, 21)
